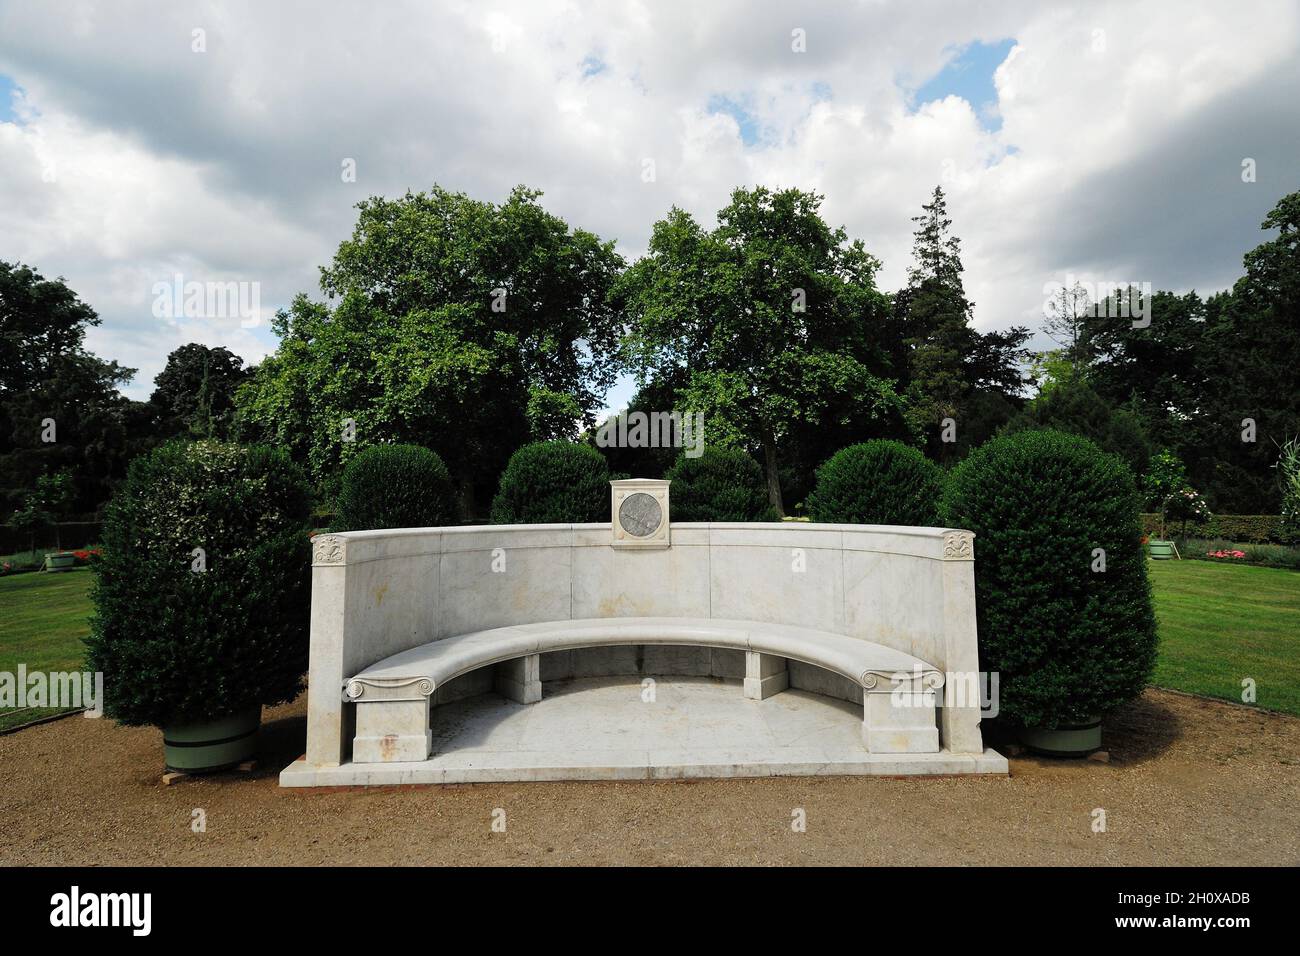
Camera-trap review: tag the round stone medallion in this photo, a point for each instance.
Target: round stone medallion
(640, 514)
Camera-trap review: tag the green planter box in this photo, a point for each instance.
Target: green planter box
(1160, 550)
(60, 562)
(1067, 740)
(214, 744)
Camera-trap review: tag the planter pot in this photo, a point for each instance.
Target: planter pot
(60, 562)
(1067, 740)
(1160, 550)
(213, 744)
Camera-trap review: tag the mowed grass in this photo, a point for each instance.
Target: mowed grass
(43, 617)
(1221, 624)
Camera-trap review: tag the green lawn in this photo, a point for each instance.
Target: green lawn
(1219, 623)
(1222, 623)
(42, 620)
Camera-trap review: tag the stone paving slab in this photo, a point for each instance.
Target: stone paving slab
(629, 728)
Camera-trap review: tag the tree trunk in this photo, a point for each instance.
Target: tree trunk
(468, 504)
(773, 478)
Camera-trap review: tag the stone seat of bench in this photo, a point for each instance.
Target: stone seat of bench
(392, 696)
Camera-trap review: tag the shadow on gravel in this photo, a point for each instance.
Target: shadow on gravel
(1137, 732)
(282, 741)
(1141, 731)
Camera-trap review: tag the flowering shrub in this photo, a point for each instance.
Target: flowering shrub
(83, 555)
(1165, 476)
(1225, 554)
(1186, 505)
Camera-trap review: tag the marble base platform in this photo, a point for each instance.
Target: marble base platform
(614, 728)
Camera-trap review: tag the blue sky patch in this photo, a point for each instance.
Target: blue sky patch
(969, 74)
(7, 90)
(750, 130)
(591, 65)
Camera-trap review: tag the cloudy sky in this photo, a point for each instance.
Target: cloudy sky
(141, 141)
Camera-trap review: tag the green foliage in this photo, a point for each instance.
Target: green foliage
(722, 484)
(553, 482)
(1165, 475)
(43, 506)
(1203, 366)
(1187, 504)
(1288, 473)
(394, 486)
(1256, 529)
(1069, 642)
(877, 482)
(194, 394)
(942, 364)
(446, 314)
(31, 520)
(46, 375)
(764, 324)
(1073, 406)
(552, 416)
(1266, 555)
(176, 644)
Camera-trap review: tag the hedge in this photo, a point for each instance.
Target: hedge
(183, 636)
(553, 482)
(395, 486)
(722, 484)
(877, 482)
(1250, 529)
(1071, 639)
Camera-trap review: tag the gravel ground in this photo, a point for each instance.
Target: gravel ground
(1190, 782)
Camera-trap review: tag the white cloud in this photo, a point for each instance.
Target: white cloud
(1120, 156)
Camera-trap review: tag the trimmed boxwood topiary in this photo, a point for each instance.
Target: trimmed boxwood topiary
(877, 482)
(395, 486)
(722, 484)
(553, 482)
(183, 637)
(1071, 642)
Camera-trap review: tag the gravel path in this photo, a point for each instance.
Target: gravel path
(1191, 782)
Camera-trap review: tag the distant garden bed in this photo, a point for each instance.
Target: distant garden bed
(1237, 552)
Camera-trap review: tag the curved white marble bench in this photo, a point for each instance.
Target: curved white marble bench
(393, 696)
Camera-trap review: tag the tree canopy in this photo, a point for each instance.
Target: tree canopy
(459, 325)
(60, 409)
(764, 323)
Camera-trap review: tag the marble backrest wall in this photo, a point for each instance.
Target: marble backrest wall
(406, 587)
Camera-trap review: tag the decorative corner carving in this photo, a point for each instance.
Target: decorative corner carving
(328, 549)
(387, 688)
(959, 546)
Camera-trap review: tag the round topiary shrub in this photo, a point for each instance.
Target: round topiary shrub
(1062, 597)
(394, 486)
(877, 482)
(202, 586)
(722, 484)
(553, 482)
